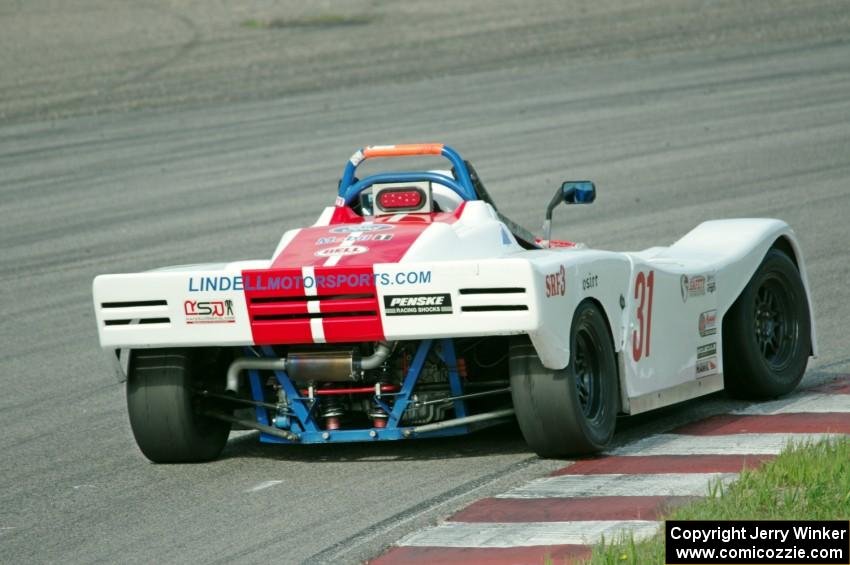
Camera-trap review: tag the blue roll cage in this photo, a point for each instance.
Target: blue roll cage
(350, 187)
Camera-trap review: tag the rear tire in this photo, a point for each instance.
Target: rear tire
(164, 413)
(767, 332)
(572, 411)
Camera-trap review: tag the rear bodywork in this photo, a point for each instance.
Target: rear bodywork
(428, 280)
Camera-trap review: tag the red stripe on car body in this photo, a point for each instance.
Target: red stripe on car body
(368, 242)
(346, 302)
(273, 312)
(345, 291)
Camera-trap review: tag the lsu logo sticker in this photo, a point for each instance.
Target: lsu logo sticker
(209, 312)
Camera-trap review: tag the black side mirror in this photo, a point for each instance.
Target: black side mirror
(571, 192)
(578, 192)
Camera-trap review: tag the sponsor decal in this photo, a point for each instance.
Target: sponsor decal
(708, 323)
(418, 304)
(341, 251)
(696, 286)
(404, 277)
(339, 202)
(286, 282)
(710, 284)
(360, 237)
(706, 367)
(215, 284)
(209, 312)
(556, 283)
(364, 227)
(692, 286)
(590, 281)
(707, 350)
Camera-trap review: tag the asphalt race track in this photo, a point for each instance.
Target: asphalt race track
(708, 114)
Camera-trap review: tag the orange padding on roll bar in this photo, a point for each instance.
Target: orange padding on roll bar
(403, 150)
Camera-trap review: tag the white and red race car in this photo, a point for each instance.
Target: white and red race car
(414, 308)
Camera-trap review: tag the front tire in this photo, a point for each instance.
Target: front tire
(164, 413)
(767, 332)
(572, 411)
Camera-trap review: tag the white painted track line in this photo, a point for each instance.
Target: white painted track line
(496, 535)
(735, 444)
(264, 485)
(812, 402)
(580, 486)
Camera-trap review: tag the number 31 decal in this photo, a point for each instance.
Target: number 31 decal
(644, 285)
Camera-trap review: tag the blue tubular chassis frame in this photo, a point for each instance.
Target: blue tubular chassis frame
(302, 421)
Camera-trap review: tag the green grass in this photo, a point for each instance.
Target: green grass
(806, 482)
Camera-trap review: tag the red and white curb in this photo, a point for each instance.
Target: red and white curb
(561, 516)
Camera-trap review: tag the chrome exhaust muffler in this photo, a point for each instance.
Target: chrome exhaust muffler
(312, 366)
